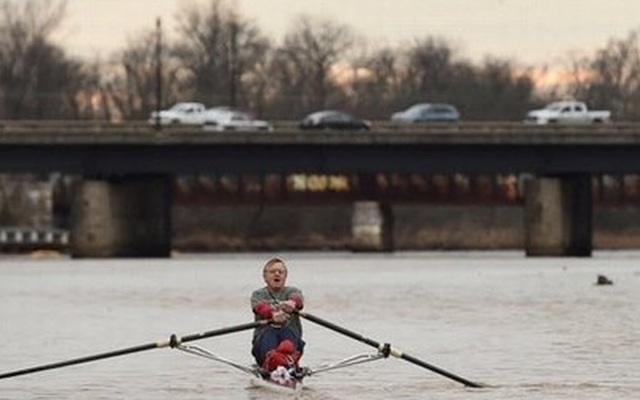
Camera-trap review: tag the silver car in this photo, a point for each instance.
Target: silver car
(222, 119)
(428, 112)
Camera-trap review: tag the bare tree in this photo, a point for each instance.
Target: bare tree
(500, 91)
(129, 89)
(428, 69)
(37, 80)
(612, 77)
(303, 64)
(220, 51)
(376, 87)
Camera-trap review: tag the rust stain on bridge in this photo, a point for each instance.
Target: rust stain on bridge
(322, 189)
(607, 190)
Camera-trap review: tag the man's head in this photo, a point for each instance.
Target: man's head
(275, 274)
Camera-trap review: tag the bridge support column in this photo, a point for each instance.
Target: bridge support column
(372, 226)
(127, 216)
(558, 216)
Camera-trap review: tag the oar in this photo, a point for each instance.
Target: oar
(172, 342)
(387, 349)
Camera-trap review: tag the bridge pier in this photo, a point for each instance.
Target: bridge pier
(558, 216)
(372, 226)
(124, 216)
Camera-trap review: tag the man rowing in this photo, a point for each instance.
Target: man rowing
(278, 345)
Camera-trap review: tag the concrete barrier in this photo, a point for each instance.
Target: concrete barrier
(27, 239)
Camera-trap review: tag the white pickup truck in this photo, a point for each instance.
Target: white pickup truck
(186, 113)
(567, 112)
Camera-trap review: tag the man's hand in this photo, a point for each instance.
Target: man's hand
(288, 306)
(280, 317)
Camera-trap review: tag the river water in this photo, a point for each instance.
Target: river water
(528, 328)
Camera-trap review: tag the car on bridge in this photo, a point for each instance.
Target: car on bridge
(567, 112)
(333, 119)
(427, 112)
(222, 119)
(184, 113)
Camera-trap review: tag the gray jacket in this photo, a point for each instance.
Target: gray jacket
(275, 298)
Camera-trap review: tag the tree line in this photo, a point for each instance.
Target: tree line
(220, 57)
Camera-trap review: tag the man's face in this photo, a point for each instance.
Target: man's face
(275, 276)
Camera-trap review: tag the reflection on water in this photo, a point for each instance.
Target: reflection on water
(531, 328)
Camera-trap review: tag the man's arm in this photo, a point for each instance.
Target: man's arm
(260, 306)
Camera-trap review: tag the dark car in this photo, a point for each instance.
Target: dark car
(331, 119)
(428, 112)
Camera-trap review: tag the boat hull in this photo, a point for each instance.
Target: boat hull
(273, 386)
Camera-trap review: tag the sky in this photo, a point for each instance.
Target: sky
(529, 32)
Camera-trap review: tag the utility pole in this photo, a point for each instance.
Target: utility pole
(233, 55)
(158, 72)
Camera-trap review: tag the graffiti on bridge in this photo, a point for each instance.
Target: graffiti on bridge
(319, 188)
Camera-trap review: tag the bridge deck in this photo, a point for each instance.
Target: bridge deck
(472, 148)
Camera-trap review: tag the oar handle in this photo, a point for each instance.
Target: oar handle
(339, 329)
(224, 331)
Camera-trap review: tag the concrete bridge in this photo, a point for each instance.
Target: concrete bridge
(122, 207)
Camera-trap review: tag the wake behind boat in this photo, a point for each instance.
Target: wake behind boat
(287, 385)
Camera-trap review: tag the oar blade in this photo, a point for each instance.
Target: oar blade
(440, 371)
(80, 360)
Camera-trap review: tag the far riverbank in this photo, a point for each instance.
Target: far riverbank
(416, 227)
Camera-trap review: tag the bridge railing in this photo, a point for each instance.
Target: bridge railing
(140, 126)
(26, 238)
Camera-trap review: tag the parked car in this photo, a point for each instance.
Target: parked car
(567, 112)
(185, 113)
(332, 119)
(428, 112)
(224, 119)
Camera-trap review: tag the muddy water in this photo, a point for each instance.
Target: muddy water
(529, 328)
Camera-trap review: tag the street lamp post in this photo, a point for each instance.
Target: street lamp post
(158, 72)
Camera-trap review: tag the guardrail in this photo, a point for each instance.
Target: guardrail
(27, 239)
(88, 126)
